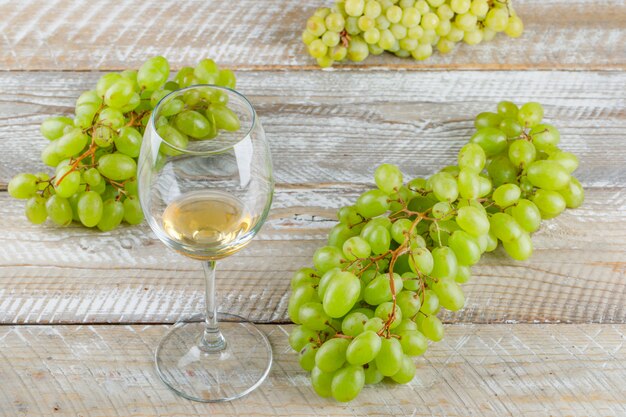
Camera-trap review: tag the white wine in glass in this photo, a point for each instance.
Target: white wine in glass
(206, 186)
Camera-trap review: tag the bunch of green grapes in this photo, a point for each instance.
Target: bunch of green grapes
(354, 29)
(95, 152)
(399, 254)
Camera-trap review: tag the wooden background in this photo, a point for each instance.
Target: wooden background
(81, 312)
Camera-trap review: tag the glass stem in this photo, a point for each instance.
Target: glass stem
(212, 339)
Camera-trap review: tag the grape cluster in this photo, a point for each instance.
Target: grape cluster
(354, 29)
(398, 255)
(95, 153)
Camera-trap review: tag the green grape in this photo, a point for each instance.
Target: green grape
(385, 310)
(432, 328)
(473, 37)
(573, 194)
(339, 234)
(300, 336)
(511, 127)
(465, 248)
(400, 230)
(356, 247)
(472, 220)
(128, 141)
(132, 211)
(372, 203)
(89, 208)
(194, 124)
(479, 8)
(341, 294)
(332, 354)
(527, 215)
(173, 140)
(299, 296)
(53, 127)
(23, 186)
(492, 140)
(515, 27)
(353, 324)
(449, 294)
(472, 158)
(338, 53)
(547, 174)
(502, 171)
(185, 77)
(348, 381)
(106, 81)
(227, 78)
(506, 195)
(429, 21)
(468, 184)
(67, 183)
(326, 258)
(322, 382)
(71, 143)
(59, 210)
(409, 303)
(153, 73)
(35, 210)
(322, 12)
(112, 215)
(430, 304)
(545, 137)
(112, 118)
(413, 343)
(325, 280)
(530, 114)
(389, 358)
(372, 375)
(520, 248)
(92, 177)
(304, 276)
(49, 155)
(117, 166)
(567, 160)
(507, 109)
(444, 263)
(379, 239)
(120, 93)
(487, 119)
(206, 72)
(374, 324)
(131, 187)
(549, 202)
(460, 6)
(306, 357)
(406, 372)
(335, 22)
(497, 19)
(354, 8)
(363, 348)
(422, 52)
(358, 49)
(445, 186)
(410, 17)
(522, 152)
(504, 227)
(466, 22)
(421, 260)
(378, 290)
(312, 316)
(464, 272)
(388, 178)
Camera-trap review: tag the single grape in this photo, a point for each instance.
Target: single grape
(353, 324)
(504, 227)
(341, 295)
(35, 210)
(550, 203)
(387, 312)
(492, 140)
(306, 356)
(520, 248)
(487, 119)
(530, 114)
(332, 354)
(502, 170)
(59, 210)
(153, 73)
(409, 303)
(322, 382)
(326, 258)
(378, 290)
(372, 203)
(67, 182)
(432, 328)
(389, 358)
(506, 195)
(112, 215)
(363, 348)
(548, 174)
(444, 263)
(465, 248)
(406, 372)
(133, 213)
(514, 27)
(53, 127)
(472, 220)
(527, 215)
(300, 336)
(545, 137)
(348, 382)
(522, 152)
(472, 157)
(90, 208)
(573, 194)
(117, 166)
(23, 186)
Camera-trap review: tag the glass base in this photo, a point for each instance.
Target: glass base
(230, 373)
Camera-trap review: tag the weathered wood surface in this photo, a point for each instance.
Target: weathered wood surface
(74, 275)
(81, 35)
(337, 126)
(478, 370)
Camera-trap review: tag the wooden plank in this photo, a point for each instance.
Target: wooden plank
(477, 370)
(52, 275)
(76, 35)
(337, 126)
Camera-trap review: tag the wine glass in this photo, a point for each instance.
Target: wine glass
(205, 187)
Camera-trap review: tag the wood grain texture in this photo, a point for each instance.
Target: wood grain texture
(478, 370)
(52, 275)
(78, 35)
(337, 126)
